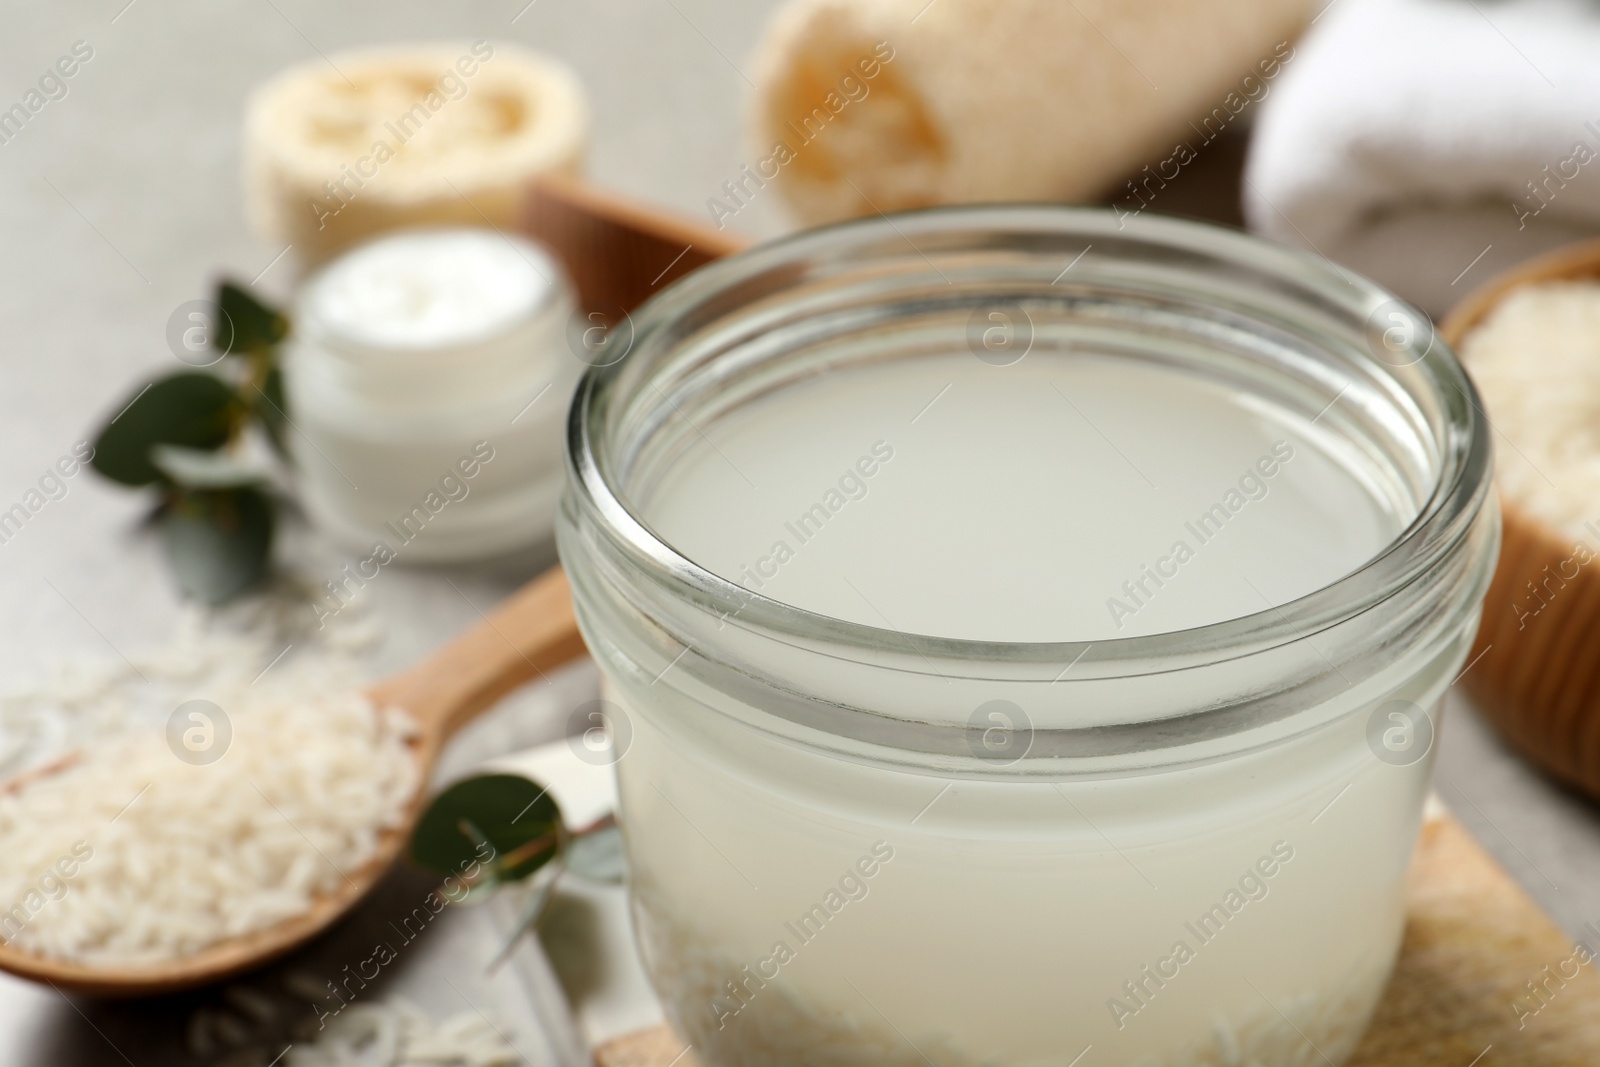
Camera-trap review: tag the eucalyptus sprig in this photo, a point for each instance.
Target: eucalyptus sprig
(183, 434)
(493, 830)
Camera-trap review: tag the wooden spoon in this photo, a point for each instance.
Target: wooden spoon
(532, 632)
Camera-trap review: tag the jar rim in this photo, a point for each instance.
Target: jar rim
(1444, 519)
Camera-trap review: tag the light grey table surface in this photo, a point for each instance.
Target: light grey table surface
(122, 200)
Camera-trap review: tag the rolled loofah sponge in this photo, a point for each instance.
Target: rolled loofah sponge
(867, 105)
(371, 140)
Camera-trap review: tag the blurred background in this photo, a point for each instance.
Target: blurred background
(1414, 141)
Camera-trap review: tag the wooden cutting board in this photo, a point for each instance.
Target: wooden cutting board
(1459, 996)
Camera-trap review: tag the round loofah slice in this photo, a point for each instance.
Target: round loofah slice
(366, 141)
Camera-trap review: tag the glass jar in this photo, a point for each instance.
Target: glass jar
(427, 378)
(852, 843)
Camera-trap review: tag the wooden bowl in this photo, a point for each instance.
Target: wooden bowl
(1538, 678)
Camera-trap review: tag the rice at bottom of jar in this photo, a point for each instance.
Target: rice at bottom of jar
(773, 1026)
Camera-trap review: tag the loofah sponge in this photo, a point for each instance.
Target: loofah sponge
(371, 140)
(867, 105)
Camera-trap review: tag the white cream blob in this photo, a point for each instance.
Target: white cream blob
(432, 288)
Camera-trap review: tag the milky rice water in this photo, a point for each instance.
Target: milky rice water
(1025, 634)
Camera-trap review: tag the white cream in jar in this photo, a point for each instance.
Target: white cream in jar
(1030, 707)
(428, 379)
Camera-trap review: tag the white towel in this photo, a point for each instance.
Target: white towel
(1430, 143)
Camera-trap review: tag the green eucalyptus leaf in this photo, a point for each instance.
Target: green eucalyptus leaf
(504, 822)
(194, 468)
(218, 541)
(598, 856)
(270, 406)
(247, 324)
(190, 409)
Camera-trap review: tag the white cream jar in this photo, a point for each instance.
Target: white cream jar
(1027, 631)
(428, 379)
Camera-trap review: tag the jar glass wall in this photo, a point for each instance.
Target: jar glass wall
(1037, 823)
